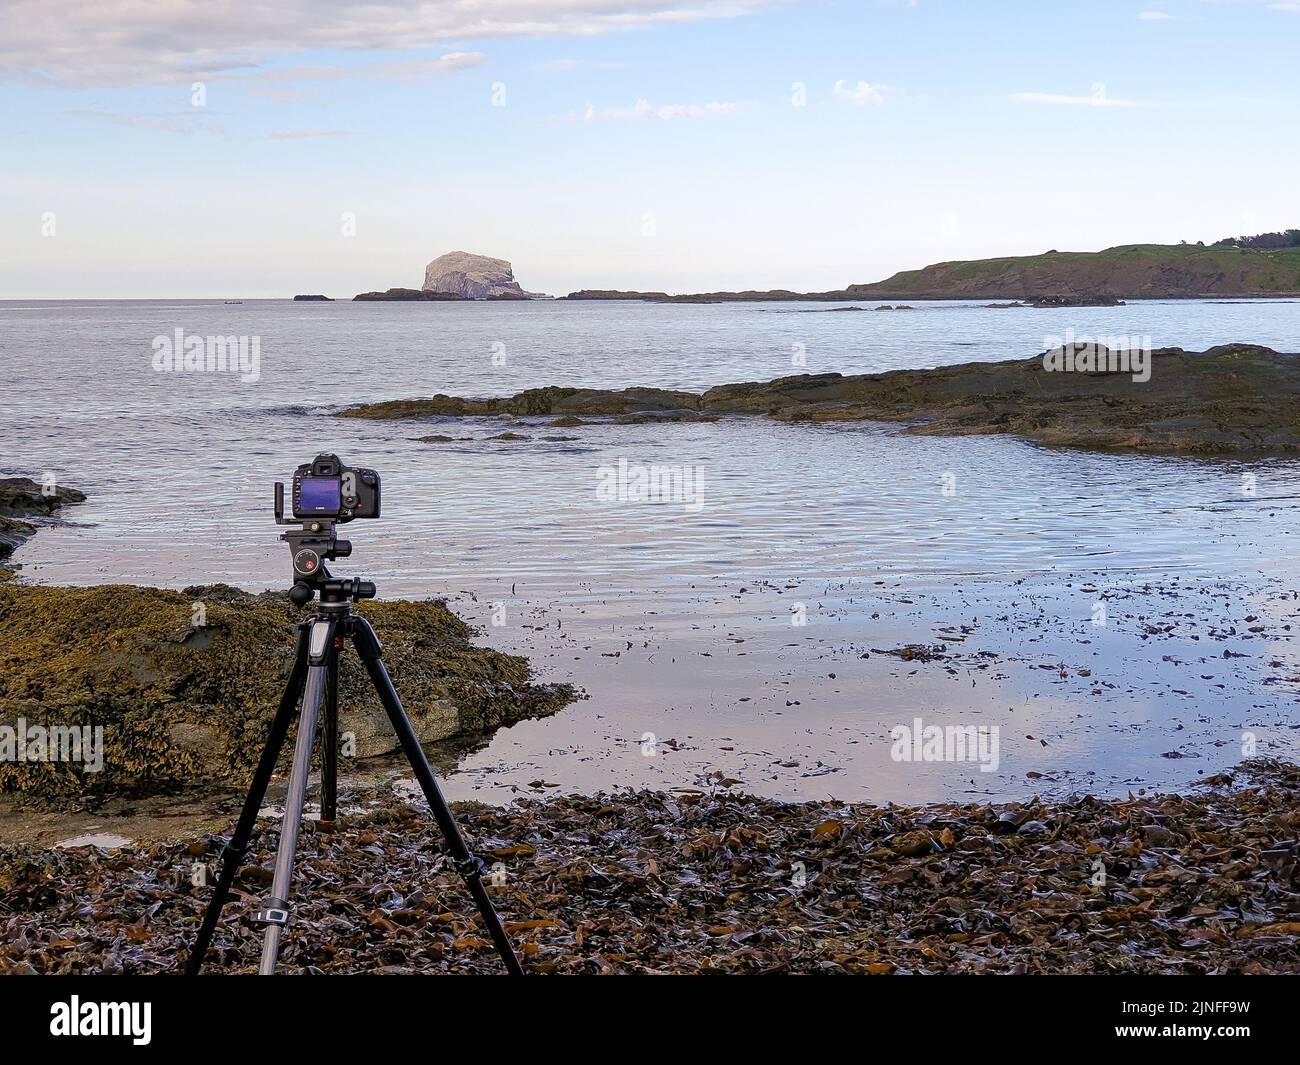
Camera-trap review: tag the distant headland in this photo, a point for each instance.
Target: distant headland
(1264, 265)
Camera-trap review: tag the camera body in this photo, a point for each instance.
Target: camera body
(325, 489)
(326, 493)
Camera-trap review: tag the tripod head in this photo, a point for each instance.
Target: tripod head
(316, 542)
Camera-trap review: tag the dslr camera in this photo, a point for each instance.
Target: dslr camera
(326, 489)
(325, 494)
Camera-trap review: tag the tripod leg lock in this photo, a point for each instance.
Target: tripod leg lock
(275, 911)
(471, 867)
(231, 853)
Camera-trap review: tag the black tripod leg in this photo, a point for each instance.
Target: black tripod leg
(470, 867)
(329, 767)
(233, 852)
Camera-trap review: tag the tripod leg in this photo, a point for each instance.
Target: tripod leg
(233, 852)
(275, 911)
(329, 767)
(470, 867)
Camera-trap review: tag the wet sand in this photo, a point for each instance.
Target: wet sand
(1178, 678)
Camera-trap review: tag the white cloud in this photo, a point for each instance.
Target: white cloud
(667, 112)
(1284, 7)
(304, 134)
(1156, 16)
(81, 43)
(386, 70)
(194, 121)
(1096, 100)
(860, 94)
(282, 96)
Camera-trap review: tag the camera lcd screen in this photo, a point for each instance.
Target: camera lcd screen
(319, 494)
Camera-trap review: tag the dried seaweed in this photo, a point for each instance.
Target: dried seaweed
(655, 882)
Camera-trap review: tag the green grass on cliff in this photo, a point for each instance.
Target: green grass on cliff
(1187, 266)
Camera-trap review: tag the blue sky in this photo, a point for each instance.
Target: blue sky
(624, 143)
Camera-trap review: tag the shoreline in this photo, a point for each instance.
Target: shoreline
(1107, 711)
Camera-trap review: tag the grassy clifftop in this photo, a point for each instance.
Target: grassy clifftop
(1128, 271)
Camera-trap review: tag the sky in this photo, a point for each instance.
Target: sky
(172, 148)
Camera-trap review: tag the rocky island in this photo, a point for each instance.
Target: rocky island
(460, 275)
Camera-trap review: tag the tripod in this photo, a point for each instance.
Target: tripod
(313, 682)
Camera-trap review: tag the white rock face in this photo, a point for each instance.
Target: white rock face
(472, 276)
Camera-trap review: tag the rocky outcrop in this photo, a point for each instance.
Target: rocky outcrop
(406, 295)
(185, 683)
(21, 497)
(1065, 300)
(773, 295)
(313, 298)
(1238, 398)
(534, 401)
(473, 277)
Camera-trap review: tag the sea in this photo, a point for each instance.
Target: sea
(750, 633)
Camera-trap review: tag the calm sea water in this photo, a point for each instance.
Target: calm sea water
(179, 467)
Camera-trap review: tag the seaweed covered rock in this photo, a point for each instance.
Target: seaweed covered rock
(550, 400)
(1231, 399)
(21, 497)
(184, 684)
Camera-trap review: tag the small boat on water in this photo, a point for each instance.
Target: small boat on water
(233, 302)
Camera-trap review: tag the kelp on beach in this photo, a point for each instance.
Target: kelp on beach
(651, 882)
